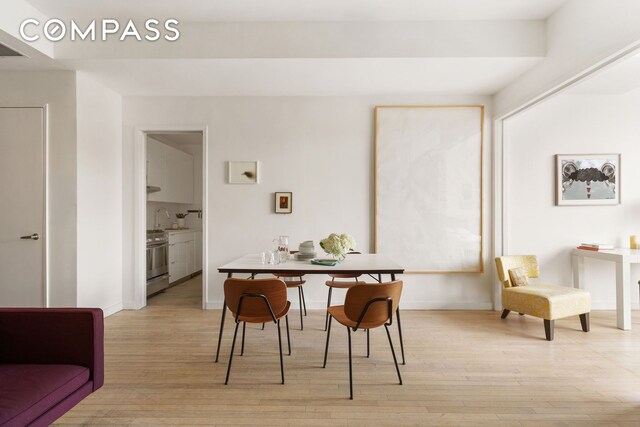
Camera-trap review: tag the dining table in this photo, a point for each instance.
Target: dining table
(376, 266)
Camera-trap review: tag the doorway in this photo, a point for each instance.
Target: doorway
(170, 201)
(23, 192)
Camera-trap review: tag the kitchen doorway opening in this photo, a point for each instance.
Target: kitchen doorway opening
(171, 227)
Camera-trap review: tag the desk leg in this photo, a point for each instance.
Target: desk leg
(623, 295)
(578, 271)
(224, 312)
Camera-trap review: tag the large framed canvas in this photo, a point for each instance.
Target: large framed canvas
(428, 187)
(587, 179)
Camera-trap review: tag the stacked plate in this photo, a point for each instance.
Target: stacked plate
(306, 251)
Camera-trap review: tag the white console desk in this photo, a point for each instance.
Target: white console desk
(623, 258)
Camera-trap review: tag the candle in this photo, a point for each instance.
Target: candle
(633, 242)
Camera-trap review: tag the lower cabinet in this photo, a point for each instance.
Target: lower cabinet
(182, 255)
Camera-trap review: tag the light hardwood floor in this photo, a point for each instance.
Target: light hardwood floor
(463, 368)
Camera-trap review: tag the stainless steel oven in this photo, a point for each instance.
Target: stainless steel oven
(157, 261)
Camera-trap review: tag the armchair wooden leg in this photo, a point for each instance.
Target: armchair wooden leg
(505, 313)
(548, 329)
(584, 321)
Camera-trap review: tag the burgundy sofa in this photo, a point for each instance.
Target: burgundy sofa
(50, 359)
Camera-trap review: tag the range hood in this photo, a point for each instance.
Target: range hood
(152, 189)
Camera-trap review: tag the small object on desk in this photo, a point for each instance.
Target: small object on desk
(598, 246)
(327, 261)
(633, 242)
(586, 248)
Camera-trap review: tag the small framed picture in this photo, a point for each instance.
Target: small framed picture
(587, 179)
(283, 203)
(243, 172)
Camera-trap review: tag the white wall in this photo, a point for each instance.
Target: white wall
(319, 148)
(57, 89)
(572, 124)
(579, 35)
(99, 166)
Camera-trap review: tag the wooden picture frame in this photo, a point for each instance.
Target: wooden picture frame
(283, 202)
(429, 187)
(588, 179)
(243, 172)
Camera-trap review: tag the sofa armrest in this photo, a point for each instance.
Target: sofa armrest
(73, 336)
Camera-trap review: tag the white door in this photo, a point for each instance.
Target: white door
(22, 207)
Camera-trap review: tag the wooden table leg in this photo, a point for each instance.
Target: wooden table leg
(578, 271)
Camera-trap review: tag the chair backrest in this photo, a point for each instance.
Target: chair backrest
(506, 263)
(273, 289)
(378, 313)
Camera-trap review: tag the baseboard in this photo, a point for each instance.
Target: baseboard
(405, 305)
(112, 309)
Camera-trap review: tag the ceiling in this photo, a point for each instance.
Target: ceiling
(486, 59)
(301, 10)
(305, 77)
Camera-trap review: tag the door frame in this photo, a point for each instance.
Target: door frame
(45, 202)
(140, 206)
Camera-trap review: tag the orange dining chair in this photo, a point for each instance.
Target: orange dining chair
(295, 280)
(341, 284)
(257, 301)
(366, 306)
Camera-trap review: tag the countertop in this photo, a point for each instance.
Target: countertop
(182, 230)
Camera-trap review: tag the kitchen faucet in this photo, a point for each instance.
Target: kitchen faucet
(156, 225)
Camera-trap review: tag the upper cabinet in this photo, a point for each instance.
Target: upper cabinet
(172, 171)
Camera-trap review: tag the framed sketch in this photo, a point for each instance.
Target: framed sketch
(243, 172)
(429, 187)
(283, 203)
(587, 179)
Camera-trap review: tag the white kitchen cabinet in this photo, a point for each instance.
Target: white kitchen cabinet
(182, 254)
(172, 171)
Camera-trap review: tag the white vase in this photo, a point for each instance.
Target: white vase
(181, 222)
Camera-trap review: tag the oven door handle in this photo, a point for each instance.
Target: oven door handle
(159, 245)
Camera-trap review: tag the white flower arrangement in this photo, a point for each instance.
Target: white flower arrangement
(338, 244)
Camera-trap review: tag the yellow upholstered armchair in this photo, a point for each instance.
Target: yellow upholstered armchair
(548, 302)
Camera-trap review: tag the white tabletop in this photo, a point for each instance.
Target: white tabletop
(616, 255)
(355, 263)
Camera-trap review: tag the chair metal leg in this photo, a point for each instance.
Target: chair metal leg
(350, 368)
(505, 313)
(286, 319)
(280, 347)
(393, 353)
(224, 311)
(244, 327)
(368, 343)
(304, 301)
(233, 345)
(300, 299)
(326, 348)
(400, 335)
(548, 329)
(584, 321)
(326, 317)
